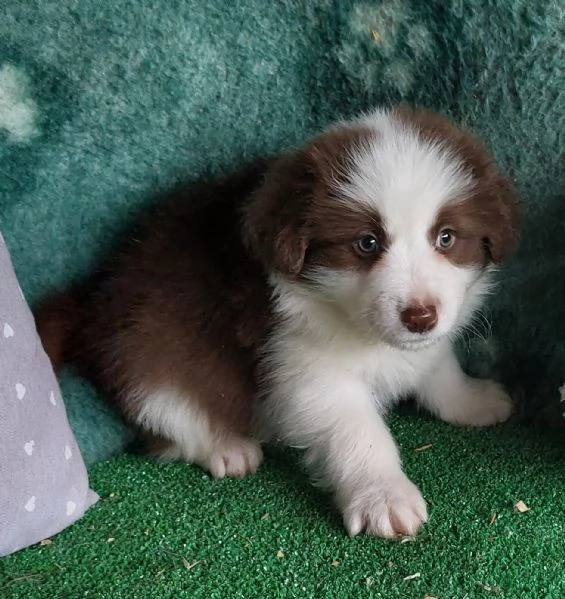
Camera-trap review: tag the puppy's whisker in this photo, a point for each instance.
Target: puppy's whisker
(482, 326)
(462, 335)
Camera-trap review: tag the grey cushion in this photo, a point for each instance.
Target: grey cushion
(43, 480)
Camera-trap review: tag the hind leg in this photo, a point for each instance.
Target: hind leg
(182, 430)
(233, 456)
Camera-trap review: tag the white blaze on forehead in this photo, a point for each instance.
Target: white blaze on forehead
(403, 176)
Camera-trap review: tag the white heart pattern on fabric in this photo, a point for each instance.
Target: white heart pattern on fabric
(8, 331)
(71, 507)
(52, 398)
(28, 447)
(20, 391)
(68, 452)
(30, 505)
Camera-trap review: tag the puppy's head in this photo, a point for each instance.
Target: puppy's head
(394, 220)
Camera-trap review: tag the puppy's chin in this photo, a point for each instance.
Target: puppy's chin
(414, 343)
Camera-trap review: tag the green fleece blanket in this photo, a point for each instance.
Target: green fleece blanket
(105, 104)
(102, 105)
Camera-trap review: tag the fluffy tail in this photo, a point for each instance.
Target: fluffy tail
(57, 320)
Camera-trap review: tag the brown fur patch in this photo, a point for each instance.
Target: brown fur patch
(486, 223)
(468, 228)
(333, 245)
(297, 219)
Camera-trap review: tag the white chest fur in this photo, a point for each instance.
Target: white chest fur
(298, 362)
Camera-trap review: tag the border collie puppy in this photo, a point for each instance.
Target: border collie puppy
(299, 300)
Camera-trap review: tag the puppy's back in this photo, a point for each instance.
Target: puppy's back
(177, 305)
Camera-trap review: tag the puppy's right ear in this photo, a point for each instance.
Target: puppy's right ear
(275, 221)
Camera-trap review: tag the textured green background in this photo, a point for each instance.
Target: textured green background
(123, 99)
(128, 98)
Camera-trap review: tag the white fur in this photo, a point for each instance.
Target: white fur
(478, 402)
(397, 172)
(177, 418)
(341, 355)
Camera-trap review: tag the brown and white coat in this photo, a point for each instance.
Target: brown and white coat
(300, 299)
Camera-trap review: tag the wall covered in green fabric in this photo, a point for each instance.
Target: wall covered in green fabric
(103, 105)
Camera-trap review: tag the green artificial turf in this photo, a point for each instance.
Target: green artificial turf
(171, 531)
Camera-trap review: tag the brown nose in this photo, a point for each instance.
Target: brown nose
(419, 318)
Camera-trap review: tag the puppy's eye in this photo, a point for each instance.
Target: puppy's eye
(445, 239)
(368, 244)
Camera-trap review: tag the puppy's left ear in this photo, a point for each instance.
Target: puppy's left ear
(275, 223)
(504, 216)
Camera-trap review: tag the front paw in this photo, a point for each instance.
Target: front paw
(387, 507)
(480, 403)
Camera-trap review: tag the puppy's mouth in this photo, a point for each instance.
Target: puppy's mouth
(412, 342)
(399, 334)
